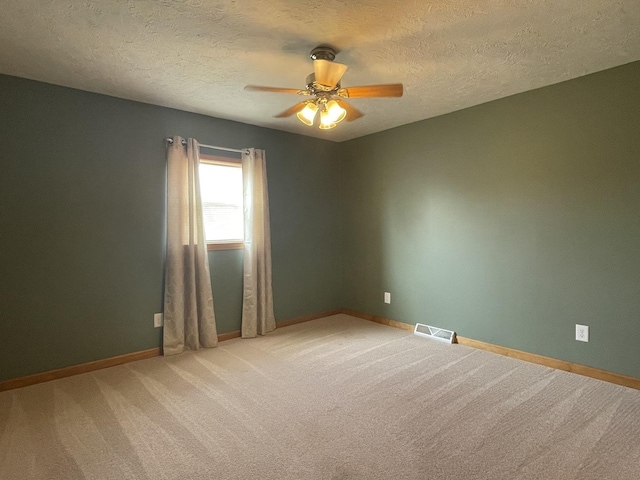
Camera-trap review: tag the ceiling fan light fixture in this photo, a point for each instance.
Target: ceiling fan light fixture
(308, 114)
(335, 112)
(326, 120)
(327, 126)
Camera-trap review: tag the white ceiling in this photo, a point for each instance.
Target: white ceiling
(197, 55)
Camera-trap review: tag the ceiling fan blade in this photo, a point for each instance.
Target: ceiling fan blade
(373, 91)
(259, 88)
(328, 73)
(352, 112)
(292, 110)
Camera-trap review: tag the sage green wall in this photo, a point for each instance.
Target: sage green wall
(82, 208)
(508, 222)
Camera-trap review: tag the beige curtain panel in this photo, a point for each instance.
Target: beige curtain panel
(257, 303)
(189, 319)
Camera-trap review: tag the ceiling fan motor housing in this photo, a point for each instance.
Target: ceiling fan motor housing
(315, 88)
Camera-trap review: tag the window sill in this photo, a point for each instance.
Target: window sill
(225, 246)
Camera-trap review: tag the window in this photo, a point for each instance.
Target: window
(221, 190)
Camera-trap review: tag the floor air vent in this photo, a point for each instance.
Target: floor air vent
(436, 333)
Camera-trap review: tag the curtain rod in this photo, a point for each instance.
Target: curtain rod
(213, 147)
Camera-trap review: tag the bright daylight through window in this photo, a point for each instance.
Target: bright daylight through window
(221, 190)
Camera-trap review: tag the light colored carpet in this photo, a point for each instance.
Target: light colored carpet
(335, 398)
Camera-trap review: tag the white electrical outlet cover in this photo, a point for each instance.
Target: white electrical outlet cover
(582, 333)
(158, 320)
(387, 297)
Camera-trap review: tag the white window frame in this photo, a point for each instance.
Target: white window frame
(227, 162)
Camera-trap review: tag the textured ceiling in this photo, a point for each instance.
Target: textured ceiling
(197, 55)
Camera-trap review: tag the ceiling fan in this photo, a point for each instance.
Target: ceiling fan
(327, 97)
